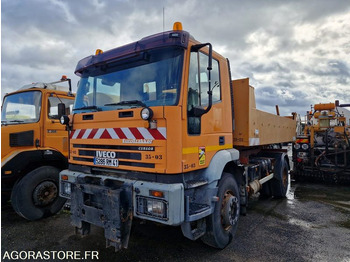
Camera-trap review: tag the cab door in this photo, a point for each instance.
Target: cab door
(20, 119)
(55, 135)
(205, 135)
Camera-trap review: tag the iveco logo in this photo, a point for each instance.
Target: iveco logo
(106, 154)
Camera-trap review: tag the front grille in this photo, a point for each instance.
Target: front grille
(134, 148)
(25, 138)
(87, 153)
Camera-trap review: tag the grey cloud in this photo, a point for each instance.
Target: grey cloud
(83, 26)
(268, 97)
(334, 67)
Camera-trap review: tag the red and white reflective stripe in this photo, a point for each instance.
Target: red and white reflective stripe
(120, 133)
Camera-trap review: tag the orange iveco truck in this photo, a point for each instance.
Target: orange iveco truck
(160, 132)
(34, 147)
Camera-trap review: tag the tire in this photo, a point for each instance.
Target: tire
(222, 223)
(36, 195)
(4, 199)
(280, 185)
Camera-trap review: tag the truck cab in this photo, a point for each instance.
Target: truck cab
(153, 136)
(146, 102)
(34, 147)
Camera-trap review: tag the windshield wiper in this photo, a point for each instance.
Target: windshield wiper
(88, 107)
(130, 102)
(6, 122)
(16, 121)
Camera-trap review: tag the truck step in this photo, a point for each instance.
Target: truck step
(195, 183)
(198, 208)
(197, 211)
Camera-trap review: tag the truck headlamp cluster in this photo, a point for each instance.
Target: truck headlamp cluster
(296, 146)
(146, 113)
(152, 207)
(301, 146)
(66, 189)
(305, 146)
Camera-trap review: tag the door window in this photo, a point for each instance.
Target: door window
(198, 86)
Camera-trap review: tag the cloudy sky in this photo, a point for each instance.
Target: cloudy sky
(296, 53)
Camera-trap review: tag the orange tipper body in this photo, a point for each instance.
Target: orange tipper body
(34, 147)
(161, 121)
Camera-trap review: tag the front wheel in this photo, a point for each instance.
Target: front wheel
(36, 195)
(222, 223)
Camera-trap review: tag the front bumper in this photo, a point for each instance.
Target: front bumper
(112, 202)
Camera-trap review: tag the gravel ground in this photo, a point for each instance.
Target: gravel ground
(312, 224)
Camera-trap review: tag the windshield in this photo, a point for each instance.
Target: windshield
(21, 108)
(151, 78)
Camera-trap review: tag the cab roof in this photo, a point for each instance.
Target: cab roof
(43, 86)
(178, 38)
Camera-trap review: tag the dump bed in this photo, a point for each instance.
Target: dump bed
(254, 127)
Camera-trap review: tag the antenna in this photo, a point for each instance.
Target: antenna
(163, 18)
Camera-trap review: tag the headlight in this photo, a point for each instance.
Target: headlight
(296, 146)
(66, 189)
(146, 113)
(152, 207)
(155, 207)
(305, 146)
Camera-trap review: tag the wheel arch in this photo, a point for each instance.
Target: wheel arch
(222, 161)
(236, 171)
(27, 161)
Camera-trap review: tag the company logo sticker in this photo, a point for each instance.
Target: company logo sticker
(201, 151)
(106, 158)
(137, 141)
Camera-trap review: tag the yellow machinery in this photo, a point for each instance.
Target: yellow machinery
(323, 151)
(160, 132)
(34, 147)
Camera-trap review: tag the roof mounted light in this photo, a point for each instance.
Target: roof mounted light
(98, 52)
(146, 113)
(177, 26)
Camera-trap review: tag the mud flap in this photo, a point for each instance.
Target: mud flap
(109, 208)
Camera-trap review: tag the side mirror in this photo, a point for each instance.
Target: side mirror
(61, 109)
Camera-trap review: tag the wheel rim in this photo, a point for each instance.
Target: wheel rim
(229, 210)
(45, 193)
(286, 180)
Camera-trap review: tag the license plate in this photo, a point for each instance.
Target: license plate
(98, 161)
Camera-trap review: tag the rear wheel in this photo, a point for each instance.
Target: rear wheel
(280, 185)
(222, 224)
(36, 195)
